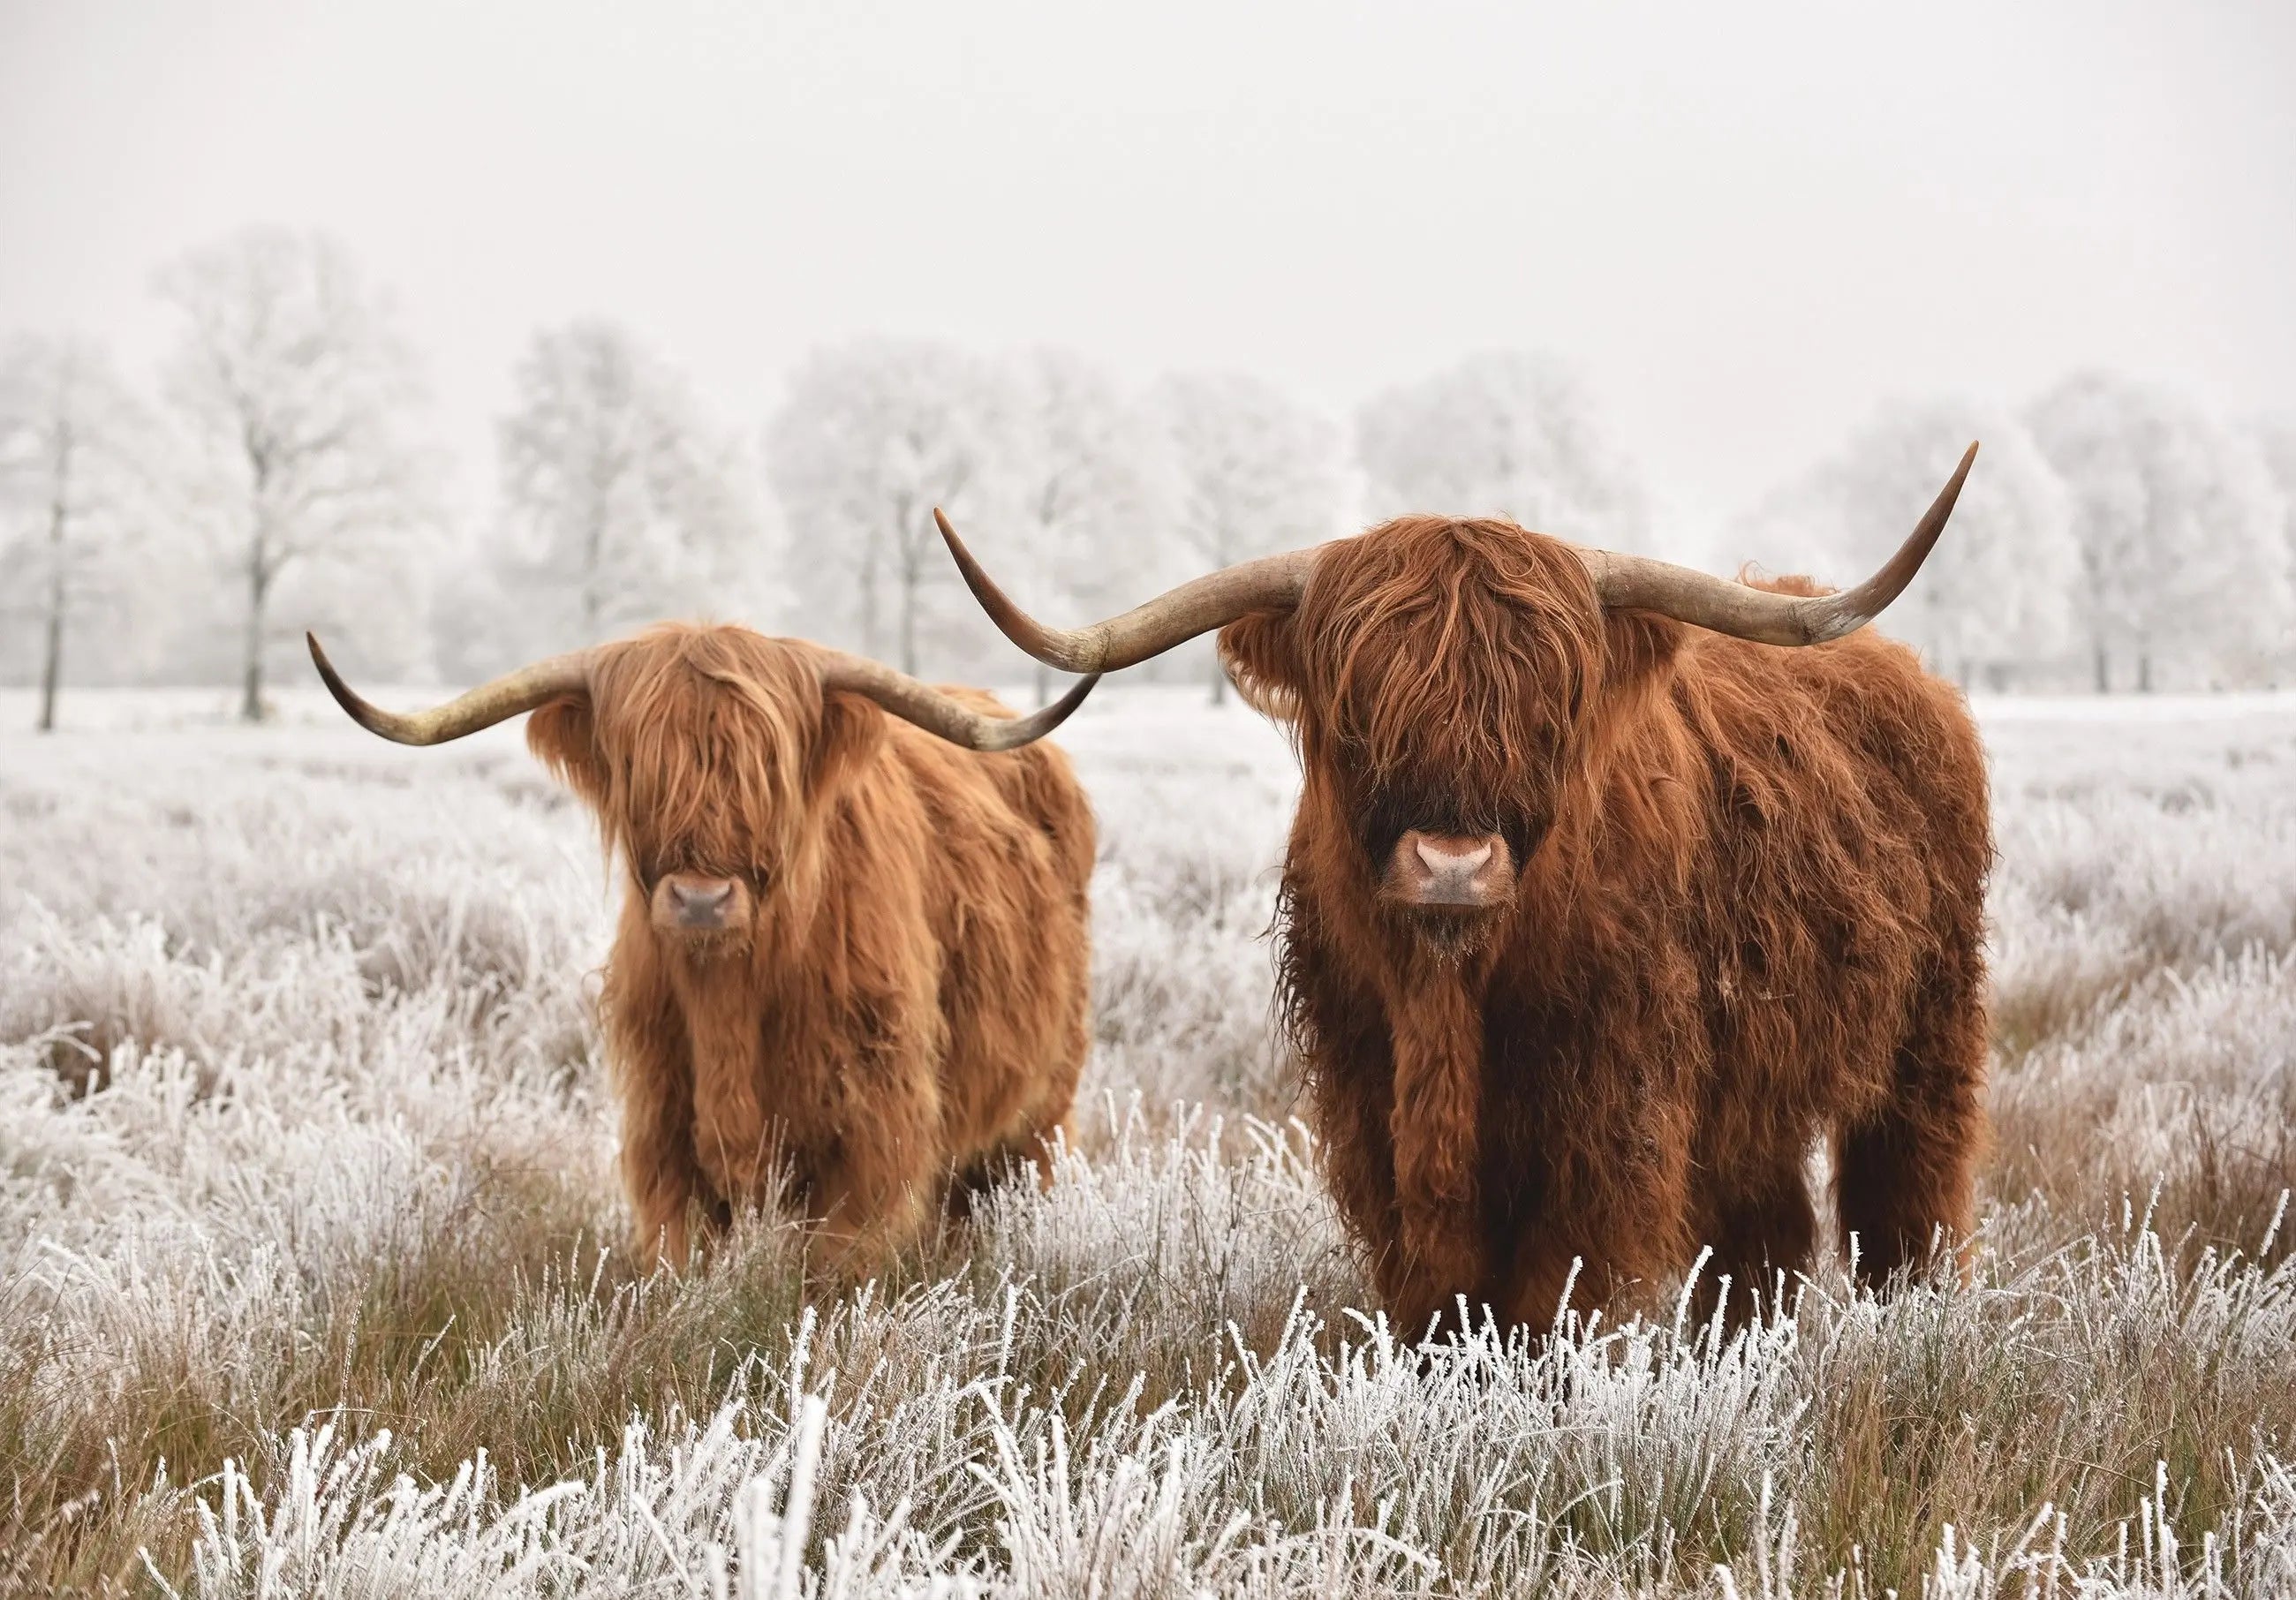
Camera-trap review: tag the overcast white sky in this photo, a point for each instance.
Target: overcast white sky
(1747, 225)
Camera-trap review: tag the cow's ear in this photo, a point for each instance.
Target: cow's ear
(564, 734)
(1257, 651)
(852, 726)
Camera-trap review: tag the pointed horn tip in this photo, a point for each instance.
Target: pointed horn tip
(1010, 620)
(1074, 698)
(1043, 722)
(965, 565)
(372, 719)
(340, 690)
(972, 570)
(1854, 608)
(1950, 495)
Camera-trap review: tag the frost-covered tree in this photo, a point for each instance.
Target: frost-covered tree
(873, 435)
(2001, 587)
(623, 505)
(1507, 434)
(75, 445)
(2178, 522)
(295, 384)
(1093, 490)
(1257, 472)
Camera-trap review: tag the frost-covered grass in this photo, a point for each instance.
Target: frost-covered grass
(309, 1276)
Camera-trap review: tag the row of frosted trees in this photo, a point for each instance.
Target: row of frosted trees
(280, 477)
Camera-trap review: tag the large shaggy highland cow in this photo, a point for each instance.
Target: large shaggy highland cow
(847, 941)
(1600, 905)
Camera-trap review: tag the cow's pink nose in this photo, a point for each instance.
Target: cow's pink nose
(692, 903)
(700, 908)
(1469, 873)
(1445, 859)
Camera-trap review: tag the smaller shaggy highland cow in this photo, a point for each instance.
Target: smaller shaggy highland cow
(850, 942)
(1613, 886)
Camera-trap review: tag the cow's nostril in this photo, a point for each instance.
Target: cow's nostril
(1465, 862)
(699, 903)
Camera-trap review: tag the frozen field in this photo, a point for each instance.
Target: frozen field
(318, 1291)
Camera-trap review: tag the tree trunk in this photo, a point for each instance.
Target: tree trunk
(2103, 671)
(1043, 686)
(909, 620)
(260, 571)
(594, 557)
(259, 591)
(51, 664)
(2145, 672)
(871, 642)
(52, 661)
(1220, 680)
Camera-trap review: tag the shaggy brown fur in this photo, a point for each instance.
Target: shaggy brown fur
(908, 1000)
(1748, 911)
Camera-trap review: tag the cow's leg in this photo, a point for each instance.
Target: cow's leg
(649, 1056)
(1351, 1105)
(661, 1175)
(1599, 1270)
(1029, 1152)
(867, 1218)
(1351, 1118)
(1419, 1305)
(1044, 1123)
(1435, 1130)
(1765, 1226)
(1360, 1176)
(1903, 1175)
(1609, 1221)
(878, 1184)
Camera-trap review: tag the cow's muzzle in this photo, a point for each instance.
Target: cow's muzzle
(692, 903)
(1449, 872)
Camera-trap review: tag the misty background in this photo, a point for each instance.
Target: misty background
(465, 336)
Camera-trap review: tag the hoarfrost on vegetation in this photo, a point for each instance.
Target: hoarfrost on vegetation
(309, 1280)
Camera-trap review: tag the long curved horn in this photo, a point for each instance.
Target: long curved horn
(1197, 606)
(1639, 583)
(935, 712)
(504, 697)
(1628, 582)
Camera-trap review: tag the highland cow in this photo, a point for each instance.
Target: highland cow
(1601, 908)
(853, 952)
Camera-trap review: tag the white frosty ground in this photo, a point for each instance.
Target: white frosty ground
(340, 991)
